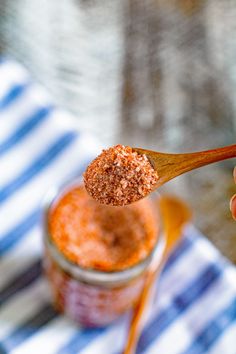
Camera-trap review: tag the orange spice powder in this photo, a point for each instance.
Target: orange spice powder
(120, 176)
(102, 237)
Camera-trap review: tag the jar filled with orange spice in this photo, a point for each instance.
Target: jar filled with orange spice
(96, 256)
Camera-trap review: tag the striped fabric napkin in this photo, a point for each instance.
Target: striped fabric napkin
(40, 146)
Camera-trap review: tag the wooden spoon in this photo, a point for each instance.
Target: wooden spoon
(169, 166)
(175, 214)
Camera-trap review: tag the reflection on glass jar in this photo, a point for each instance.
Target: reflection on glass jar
(94, 297)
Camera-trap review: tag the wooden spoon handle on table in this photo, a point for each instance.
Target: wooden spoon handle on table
(169, 166)
(175, 214)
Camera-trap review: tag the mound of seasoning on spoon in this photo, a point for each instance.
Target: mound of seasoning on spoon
(120, 176)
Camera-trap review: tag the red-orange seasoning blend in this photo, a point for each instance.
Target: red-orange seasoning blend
(120, 176)
(96, 255)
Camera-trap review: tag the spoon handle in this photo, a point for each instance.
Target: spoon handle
(190, 161)
(175, 214)
(209, 156)
(169, 166)
(141, 309)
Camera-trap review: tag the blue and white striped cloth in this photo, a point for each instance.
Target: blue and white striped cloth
(40, 146)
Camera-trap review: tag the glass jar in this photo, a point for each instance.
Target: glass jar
(92, 298)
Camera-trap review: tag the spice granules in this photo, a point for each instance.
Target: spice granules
(102, 237)
(120, 176)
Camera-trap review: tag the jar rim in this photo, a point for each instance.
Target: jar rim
(90, 275)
